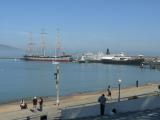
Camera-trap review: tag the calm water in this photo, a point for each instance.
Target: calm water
(21, 79)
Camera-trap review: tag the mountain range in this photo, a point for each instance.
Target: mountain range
(7, 51)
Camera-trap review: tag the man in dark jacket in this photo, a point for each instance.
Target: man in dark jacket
(102, 101)
(34, 103)
(40, 104)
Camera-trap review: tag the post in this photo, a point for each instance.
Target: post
(119, 92)
(137, 83)
(57, 78)
(119, 88)
(28, 118)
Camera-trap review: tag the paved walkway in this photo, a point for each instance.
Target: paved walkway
(11, 111)
(141, 115)
(50, 111)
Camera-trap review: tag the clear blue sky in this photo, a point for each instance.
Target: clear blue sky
(121, 25)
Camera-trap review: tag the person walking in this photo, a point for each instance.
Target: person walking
(137, 83)
(102, 101)
(109, 91)
(23, 105)
(34, 103)
(40, 103)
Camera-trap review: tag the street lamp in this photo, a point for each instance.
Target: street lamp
(57, 78)
(119, 86)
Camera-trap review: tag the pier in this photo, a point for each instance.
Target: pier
(151, 62)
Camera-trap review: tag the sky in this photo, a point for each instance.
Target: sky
(131, 26)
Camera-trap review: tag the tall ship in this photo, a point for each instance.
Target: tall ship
(57, 57)
(62, 58)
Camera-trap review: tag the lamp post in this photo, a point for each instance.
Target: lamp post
(119, 86)
(57, 78)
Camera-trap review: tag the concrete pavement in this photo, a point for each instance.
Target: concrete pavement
(11, 111)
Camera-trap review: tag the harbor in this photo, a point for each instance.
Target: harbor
(79, 60)
(89, 57)
(84, 77)
(61, 56)
(85, 89)
(79, 99)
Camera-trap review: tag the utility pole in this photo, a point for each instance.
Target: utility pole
(119, 89)
(57, 78)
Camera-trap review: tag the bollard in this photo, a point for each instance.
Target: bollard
(43, 117)
(137, 83)
(28, 118)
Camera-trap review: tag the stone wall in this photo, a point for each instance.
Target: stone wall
(131, 105)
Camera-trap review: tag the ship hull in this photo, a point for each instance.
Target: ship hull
(123, 62)
(49, 59)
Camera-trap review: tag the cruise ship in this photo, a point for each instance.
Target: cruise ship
(122, 59)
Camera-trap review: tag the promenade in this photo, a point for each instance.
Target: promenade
(11, 111)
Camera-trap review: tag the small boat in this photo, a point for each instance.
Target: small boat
(82, 60)
(91, 58)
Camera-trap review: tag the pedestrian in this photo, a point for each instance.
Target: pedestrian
(137, 83)
(102, 101)
(23, 105)
(34, 103)
(40, 103)
(108, 91)
(22, 101)
(159, 88)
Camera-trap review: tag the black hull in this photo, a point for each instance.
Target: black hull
(123, 62)
(90, 61)
(48, 58)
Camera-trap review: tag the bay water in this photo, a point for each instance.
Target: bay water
(24, 79)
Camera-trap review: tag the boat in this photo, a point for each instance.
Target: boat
(63, 58)
(60, 57)
(82, 60)
(91, 57)
(122, 59)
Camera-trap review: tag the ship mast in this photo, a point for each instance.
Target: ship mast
(30, 48)
(43, 43)
(58, 44)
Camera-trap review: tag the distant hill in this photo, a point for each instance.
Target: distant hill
(7, 47)
(7, 51)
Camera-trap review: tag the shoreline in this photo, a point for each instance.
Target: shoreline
(74, 100)
(53, 98)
